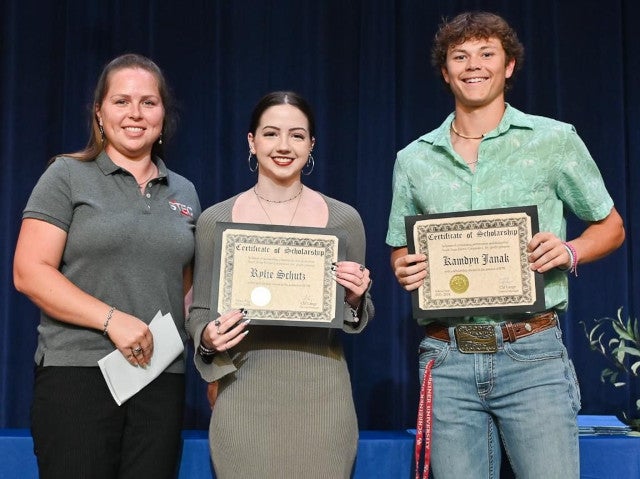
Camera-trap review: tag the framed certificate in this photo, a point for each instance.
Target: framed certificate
(280, 274)
(477, 263)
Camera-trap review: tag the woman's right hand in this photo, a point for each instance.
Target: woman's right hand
(132, 337)
(226, 331)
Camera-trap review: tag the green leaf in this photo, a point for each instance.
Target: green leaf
(609, 375)
(619, 352)
(622, 332)
(630, 350)
(605, 374)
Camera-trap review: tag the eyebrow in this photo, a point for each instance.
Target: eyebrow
(484, 47)
(290, 129)
(126, 95)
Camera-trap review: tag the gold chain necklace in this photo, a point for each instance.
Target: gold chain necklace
(260, 198)
(453, 129)
(255, 190)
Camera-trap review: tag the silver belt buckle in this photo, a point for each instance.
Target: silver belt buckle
(476, 338)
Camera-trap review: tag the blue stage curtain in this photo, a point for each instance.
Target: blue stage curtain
(364, 65)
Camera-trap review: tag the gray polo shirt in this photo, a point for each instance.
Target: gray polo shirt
(125, 248)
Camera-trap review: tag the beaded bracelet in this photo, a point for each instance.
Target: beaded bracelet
(106, 322)
(573, 255)
(571, 260)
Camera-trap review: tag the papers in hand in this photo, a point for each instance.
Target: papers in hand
(125, 380)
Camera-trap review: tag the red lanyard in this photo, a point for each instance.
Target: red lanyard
(423, 427)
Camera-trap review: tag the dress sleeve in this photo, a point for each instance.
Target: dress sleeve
(348, 219)
(200, 312)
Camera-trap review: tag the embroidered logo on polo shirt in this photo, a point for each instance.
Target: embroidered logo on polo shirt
(183, 209)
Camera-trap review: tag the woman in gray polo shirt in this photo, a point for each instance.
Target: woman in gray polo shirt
(107, 240)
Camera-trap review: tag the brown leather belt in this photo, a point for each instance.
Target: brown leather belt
(481, 338)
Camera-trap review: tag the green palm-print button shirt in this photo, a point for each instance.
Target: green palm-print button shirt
(526, 160)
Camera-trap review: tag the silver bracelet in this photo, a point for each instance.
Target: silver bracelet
(204, 351)
(354, 311)
(106, 322)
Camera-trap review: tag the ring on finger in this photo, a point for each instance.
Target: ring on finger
(362, 268)
(216, 322)
(136, 351)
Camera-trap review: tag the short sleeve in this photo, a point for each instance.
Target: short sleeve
(580, 185)
(51, 199)
(402, 205)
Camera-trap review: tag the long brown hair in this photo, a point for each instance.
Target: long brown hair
(96, 141)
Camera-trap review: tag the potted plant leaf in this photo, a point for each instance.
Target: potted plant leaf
(618, 341)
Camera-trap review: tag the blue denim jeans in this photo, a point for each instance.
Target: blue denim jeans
(526, 395)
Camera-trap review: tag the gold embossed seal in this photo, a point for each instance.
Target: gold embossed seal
(459, 283)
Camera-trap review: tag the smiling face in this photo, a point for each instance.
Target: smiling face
(281, 143)
(131, 114)
(476, 71)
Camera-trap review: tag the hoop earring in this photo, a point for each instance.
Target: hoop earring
(251, 156)
(310, 164)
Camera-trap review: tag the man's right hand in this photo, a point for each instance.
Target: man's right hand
(410, 269)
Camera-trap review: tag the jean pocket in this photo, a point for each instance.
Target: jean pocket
(432, 349)
(543, 345)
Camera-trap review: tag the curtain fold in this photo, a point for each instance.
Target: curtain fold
(364, 66)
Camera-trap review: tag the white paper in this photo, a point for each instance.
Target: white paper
(125, 380)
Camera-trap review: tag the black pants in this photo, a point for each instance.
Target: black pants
(80, 432)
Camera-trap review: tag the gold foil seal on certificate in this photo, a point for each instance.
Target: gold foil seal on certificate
(459, 283)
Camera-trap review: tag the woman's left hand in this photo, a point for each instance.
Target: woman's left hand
(354, 277)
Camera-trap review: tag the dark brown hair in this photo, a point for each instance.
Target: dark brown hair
(282, 98)
(476, 25)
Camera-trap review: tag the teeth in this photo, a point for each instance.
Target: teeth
(474, 80)
(133, 128)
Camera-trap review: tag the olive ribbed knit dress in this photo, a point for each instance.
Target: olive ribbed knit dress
(284, 407)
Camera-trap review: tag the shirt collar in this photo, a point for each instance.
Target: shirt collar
(512, 117)
(108, 167)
